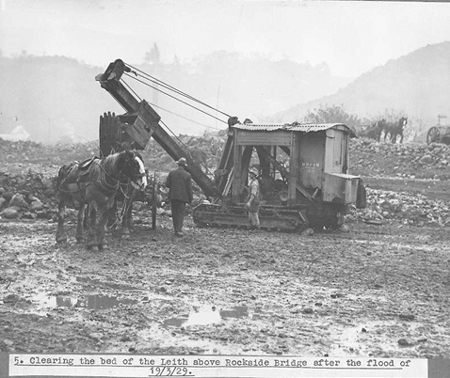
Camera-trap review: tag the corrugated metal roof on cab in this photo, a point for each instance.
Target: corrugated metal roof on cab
(301, 127)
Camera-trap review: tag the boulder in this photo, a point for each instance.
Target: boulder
(36, 204)
(10, 213)
(18, 200)
(426, 159)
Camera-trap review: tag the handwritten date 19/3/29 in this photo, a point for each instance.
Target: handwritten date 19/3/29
(170, 371)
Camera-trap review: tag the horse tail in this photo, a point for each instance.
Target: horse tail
(62, 174)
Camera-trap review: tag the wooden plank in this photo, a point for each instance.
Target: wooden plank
(236, 186)
(293, 170)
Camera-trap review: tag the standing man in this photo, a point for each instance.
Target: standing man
(254, 199)
(180, 193)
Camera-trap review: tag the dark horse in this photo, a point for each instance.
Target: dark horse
(374, 130)
(394, 129)
(95, 182)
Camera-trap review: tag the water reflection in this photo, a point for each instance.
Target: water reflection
(95, 301)
(207, 315)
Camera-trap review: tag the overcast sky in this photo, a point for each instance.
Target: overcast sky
(351, 37)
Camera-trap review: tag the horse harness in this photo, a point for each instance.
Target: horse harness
(84, 167)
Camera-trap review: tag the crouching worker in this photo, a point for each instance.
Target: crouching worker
(180, 192)
(254, 199)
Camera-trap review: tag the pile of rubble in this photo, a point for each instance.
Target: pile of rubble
(33, 152)
(27, 196)
(33, 195)
(411, 160)
(385, 206)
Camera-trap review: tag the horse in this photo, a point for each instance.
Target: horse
(93, 183)
(395, 129)
(122, 219)
(374, 131)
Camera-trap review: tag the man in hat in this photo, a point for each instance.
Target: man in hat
(254, 199)
(180, 192)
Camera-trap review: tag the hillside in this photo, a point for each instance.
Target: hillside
(56, 98)
(51, 97)
(416, 85)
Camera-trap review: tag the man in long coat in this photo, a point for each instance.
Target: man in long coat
(180, 193)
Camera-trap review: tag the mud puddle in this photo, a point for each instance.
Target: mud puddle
(207, 315)
(91, 302)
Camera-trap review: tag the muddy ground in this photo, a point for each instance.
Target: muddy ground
(377, 289)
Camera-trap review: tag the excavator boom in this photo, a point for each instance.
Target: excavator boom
(146, 124)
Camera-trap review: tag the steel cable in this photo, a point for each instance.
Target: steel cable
(176, 90)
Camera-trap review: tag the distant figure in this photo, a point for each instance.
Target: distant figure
(253, 200)
(180, 192)
(374, 131)
(396, 128)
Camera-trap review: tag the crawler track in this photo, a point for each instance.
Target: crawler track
(272, 218)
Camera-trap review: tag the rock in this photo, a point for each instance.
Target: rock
(308, 232)
(427, 159)
(405, 342)
(10, 213)
(3, 202)
(18, 200)
(407, 317)
(96, 335)
(11, 298)
(8, 195)
(36, 204)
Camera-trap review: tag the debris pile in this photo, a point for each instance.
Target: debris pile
(33, 194)
(33, 152)
(411, 160)
(384, 206)
(28, 196)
